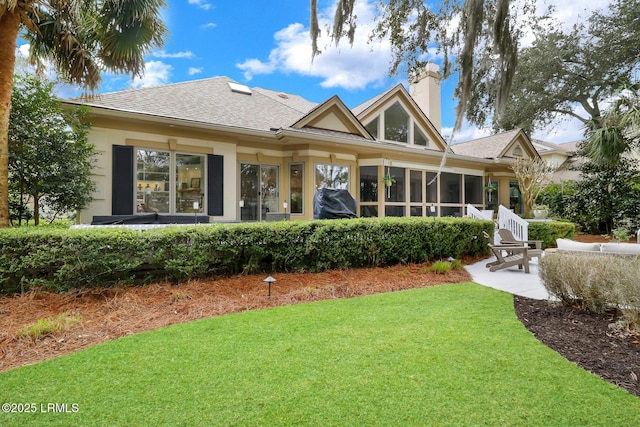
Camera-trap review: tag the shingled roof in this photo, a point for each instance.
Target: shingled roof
(489, 147)
(210, 101)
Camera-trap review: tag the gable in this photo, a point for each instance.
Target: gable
(509, 144)
(335, 116)
(519, 147)
(397, 101)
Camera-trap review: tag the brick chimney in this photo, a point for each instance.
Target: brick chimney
(424, 88)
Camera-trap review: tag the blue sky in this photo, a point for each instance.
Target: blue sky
(265, 43)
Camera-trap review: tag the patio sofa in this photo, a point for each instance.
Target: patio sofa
(609, 248)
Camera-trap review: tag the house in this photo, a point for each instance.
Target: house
(218, 150)
(501, 186)
(563, 157)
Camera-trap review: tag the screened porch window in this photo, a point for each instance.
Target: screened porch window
(450, 186)
(332, 176)
(368, 183)
(473, 189)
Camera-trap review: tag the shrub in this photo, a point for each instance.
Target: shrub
(594, 282)
(605, 199)
(50, 325)
(556, 196)
(60, 259)
(549, 232)
(441, 267)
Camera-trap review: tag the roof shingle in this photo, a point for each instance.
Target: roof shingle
(489, 147)
(208, 101)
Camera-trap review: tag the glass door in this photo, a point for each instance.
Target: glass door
(269, 190)
(259, 191)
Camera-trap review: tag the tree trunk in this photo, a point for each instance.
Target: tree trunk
(36, 209)
(9, 26)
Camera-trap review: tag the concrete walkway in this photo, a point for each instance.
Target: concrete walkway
(511, 279)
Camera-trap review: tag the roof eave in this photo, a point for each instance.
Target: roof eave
(293, 133)
(171, 121)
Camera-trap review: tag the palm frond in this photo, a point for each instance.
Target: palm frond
(128, 29)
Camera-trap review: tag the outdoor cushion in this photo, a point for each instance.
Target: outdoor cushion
(572, 245)
(621, 248)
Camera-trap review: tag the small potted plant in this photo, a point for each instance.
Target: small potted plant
(490, 188)
(540, 211)
(388, 180)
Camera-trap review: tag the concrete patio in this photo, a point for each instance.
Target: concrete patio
(511, 279)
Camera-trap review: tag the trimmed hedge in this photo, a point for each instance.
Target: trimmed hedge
(60, 260)
(549, 232)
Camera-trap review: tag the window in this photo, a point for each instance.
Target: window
(296, 184)
(368, 183)
(368, 211)
(419, 137)
(447, 211)
(394, 211)
(152, 181)
(372, 127)
(396, 192)
(415, 185)
(189, 180)
(432, 189)
(515, 198)
(332, 176)
(155, 173)
(396, 124)
(492, 189)
(473, 189)
(450, 186)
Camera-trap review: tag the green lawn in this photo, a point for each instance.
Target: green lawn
(448, 355)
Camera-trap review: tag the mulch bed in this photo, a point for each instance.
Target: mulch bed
(110, 313)
(598, 343)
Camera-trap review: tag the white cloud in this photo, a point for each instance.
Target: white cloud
(565, 128)
(342, 66)
(208, 25)
(252, 67)
(162, 54)
(156, 73)
(23, 50)
(194, 70)
(467, 133)
(366, 63)
(201, 4)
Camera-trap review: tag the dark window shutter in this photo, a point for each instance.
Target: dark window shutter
(215, 184)
(122, 180)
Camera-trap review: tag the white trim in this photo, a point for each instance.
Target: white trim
(512, 222)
